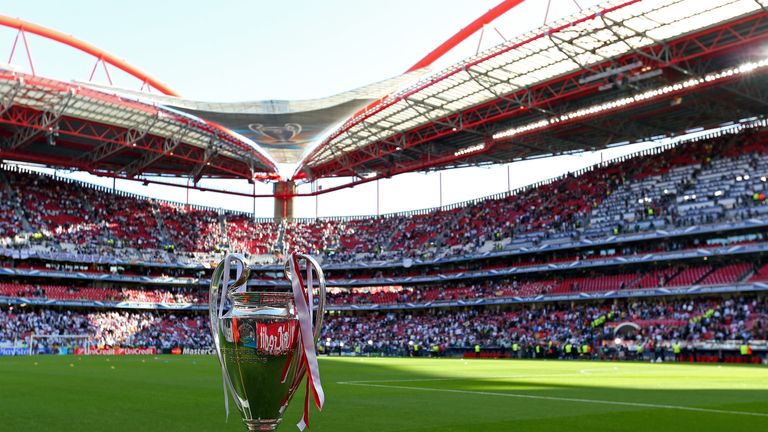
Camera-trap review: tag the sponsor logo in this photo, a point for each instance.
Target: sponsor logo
(13, 351)
(117, 351)
(198, 351)
(276, 339)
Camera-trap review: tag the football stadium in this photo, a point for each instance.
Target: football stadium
(627, 294)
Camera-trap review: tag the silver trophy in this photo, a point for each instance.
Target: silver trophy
(285, 134)
(265, 339)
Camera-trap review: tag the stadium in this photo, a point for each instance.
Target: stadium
(630, 294)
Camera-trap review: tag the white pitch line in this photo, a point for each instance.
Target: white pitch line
(462, 378)
(566, 399)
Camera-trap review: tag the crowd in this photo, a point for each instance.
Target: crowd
(10, 219)
(108, 328)
(553, 283)
(245, 235)
(661, 322)
(190, 229)
(521, 285)
(705, 181)
(698, 182)
(166, 295)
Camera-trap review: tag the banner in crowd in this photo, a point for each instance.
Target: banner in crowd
(117, 351)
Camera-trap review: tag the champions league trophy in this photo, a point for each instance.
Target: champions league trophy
(265, 342)
(276, 134)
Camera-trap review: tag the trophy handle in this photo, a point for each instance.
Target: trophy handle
(313, 265)
(219, 282)
(220, 287)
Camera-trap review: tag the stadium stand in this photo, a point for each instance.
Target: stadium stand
(690, 320)
(554, 325)
(192, 229)
(109, 247)
(694, 183)
(61, 292)
(110, 328)
(249, 236)
(760, 275)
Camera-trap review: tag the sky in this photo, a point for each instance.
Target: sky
(239, 50)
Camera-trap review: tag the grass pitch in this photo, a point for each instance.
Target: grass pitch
(168, 393)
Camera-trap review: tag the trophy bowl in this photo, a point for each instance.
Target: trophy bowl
(259, 340)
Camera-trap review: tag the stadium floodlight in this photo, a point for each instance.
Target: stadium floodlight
(470, 149)
(744, 68)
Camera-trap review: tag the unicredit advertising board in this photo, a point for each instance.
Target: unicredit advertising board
(117, 351)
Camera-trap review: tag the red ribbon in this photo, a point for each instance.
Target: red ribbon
(302, 301)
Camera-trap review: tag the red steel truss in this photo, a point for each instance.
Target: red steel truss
(464, 33)
(100, 55)
(690, 48)
(111, 140)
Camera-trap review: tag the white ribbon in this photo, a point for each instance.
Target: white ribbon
(224, 288)
(304, 312)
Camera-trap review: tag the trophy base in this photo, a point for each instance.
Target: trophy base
(261, 425)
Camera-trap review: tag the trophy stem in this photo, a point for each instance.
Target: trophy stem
(261, 425)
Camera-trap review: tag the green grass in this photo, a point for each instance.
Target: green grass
(168, 393)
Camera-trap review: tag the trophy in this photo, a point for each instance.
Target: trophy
(265, 341)
(276, 134)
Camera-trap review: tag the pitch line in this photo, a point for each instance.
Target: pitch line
(565, 399)
(462, 378)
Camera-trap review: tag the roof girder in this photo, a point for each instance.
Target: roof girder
(27, 118)
(705, 43)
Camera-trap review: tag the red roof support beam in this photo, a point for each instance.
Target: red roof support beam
(102, 133)
(378, 106)
(689, 47)
(105, 57)
(464, 33)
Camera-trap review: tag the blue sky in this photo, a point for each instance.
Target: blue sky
(241, 50)
(236, 50)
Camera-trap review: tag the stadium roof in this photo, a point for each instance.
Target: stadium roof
(619, 72)
(590, 48)
(62, 124)
(284, 129)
